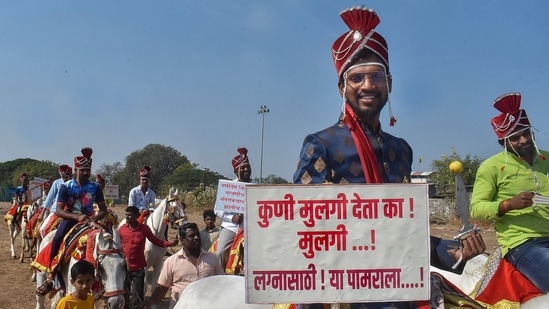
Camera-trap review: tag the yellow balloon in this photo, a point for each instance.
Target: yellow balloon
(456, 167)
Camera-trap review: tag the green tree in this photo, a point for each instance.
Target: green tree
(189, 177)
(109, 171)
(271, 179)
(444, 179)
(204, 197)
(34, 168)
(164, 160)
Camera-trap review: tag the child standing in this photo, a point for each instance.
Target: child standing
(82, 278)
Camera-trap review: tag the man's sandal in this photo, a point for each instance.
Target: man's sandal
(45, 288)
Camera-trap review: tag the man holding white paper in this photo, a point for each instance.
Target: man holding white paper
(232, 221)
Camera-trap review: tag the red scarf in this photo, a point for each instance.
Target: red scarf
(365, 151)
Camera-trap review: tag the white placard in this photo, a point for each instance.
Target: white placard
(111, 192)
(337, 243)
(231, 196)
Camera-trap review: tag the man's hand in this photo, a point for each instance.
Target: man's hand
(521, 200)
(472, 246)
(237, 219)
(175, 242)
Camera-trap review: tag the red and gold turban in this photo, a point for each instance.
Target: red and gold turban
(512, 118)
(241, 158)
(145, 172)
(361, 22)
(100, 179)
(65, 170)
(85, 160)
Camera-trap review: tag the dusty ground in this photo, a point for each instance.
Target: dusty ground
(17, 291)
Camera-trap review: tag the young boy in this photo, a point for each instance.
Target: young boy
(82, 278)
(210, 233)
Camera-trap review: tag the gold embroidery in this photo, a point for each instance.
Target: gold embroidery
(306, 178)
(355, 168)
(310, 150)
(339, 156)
(320, 165)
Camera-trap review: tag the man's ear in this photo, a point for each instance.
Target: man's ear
(340, 86)
(390, 82)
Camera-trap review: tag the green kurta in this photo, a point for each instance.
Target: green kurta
(493, 185)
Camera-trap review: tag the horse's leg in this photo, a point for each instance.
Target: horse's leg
(14, 231)
(40, 279)
(24, 242)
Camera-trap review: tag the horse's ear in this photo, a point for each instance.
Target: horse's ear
(115, 235)
(100, 237)
(176, 194)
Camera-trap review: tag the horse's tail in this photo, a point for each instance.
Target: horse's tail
(8, 219)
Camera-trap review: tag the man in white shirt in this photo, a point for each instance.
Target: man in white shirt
(50, 203)
(142, 196)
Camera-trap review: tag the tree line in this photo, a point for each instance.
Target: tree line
(170, 168)
(173, 169)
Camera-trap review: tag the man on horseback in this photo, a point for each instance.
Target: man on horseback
(506, 191)
(20, 199)
(50, 203)
(232, 222)
(356, 149)
(74, 204)
(142, 196)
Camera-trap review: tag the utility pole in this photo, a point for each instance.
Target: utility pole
(262, 111)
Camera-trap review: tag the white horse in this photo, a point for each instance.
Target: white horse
(224, 292)
(30, 243)
(110, 269)
(15, 225)
(170, 211)
(228, 292)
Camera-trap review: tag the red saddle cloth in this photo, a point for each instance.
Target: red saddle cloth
(70, 241)
(235, 263)
(32, 225)
(506, 285)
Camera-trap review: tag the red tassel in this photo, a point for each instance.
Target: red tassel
(542, 156)
(392, 121)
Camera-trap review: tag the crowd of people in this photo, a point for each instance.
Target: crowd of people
(355, 149)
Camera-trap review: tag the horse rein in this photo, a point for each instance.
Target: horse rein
(101, 253)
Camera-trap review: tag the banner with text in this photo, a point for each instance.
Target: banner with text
(111, 192)
(337, 243)
(231, 196)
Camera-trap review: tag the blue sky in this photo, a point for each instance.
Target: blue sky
(119, 75)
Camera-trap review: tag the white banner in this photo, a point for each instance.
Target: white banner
(231, 196)
(337, 243)
(111, 192)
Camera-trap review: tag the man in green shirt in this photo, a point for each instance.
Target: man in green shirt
(505, 188)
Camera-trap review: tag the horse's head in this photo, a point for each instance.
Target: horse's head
(111, 267)
(175, 209)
